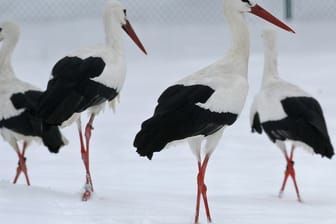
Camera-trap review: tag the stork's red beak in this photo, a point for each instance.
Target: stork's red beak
(129, 30)
(259, 11)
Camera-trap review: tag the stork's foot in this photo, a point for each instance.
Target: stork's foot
(299, 199)
(87, 193)
(280, 194)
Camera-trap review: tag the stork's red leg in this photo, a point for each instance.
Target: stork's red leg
(88, 184)
(21, 164)
(202, 190)
(88, 129)
(284, 183)
(198, 198)
(86, 159)
(290, 171)
(293, 176)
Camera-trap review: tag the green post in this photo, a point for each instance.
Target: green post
(289, 9)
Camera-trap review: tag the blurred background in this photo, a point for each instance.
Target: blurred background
(162, 12)
(62, 22)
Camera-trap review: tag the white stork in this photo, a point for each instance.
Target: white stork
(18, 103)
(286, 113)
(89, 79)
(199, 107)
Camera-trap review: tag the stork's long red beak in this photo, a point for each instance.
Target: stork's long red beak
(259, 11)
(129, 30)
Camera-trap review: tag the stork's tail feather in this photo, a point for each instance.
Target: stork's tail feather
(140, 143)
(328, 151)
(149, 139)
(53, 139)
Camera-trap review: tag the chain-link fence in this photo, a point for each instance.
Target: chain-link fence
(314, 10)
(155, 11)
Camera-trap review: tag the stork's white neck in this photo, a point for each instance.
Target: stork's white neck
(240, 49)
(113, 32)
(270, 61)
(6, 69)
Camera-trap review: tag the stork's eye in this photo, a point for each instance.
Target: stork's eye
(125, 12)
(0, 29)
(247, 1)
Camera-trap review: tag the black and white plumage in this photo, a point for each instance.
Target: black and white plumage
(286, 113)
(18, 102)
(181, 117)
(73, 90)
(197, 108)
(88, 80)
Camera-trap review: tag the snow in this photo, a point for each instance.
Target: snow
(245, 172)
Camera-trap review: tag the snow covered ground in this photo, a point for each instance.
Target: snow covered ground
(245, 173)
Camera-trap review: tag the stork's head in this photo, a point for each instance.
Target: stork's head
(116, 11)
(244, 6)
(238, 5)
(9, 30)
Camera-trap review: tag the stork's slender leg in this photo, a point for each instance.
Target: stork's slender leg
(88, 129)
(85, 156)
(202, 190)
(292, 174)
(22, 163)
(87, 192)
(284, 183)
(290, 171)
(198, 197)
